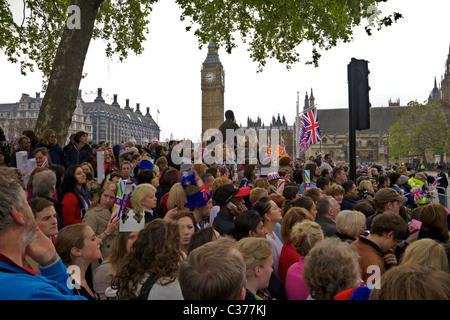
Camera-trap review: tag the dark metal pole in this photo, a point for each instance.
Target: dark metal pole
(352, 76)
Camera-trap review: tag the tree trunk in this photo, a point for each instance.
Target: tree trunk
(424, 158)
(60, 97)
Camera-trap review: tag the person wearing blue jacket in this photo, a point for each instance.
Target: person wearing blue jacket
(20, 235)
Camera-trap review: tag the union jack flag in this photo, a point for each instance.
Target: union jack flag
(309, 130)
(283, 147)
(16, 143)
(418, 193)
(205, 192)
(436, 181)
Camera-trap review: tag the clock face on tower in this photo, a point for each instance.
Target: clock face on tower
(210, 77)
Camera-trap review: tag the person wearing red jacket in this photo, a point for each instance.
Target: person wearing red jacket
(75, 201)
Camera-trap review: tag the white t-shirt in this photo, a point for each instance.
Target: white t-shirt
(277, 245)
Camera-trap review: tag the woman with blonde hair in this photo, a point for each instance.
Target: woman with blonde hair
(258, 258)
(304, 236)
(177, 197)
(98, 217)
(143, 201)
(350, 224)
(427, 252)
(366, 191)
(49, 141)
(365, 185)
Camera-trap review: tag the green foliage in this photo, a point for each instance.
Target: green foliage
(276, 28)
(273, 29)
(121, 24)
(422, 127)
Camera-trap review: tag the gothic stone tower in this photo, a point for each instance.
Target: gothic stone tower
(445, 83)
(213, 88)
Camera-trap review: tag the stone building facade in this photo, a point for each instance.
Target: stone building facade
(20, 116)
(118, 125)
(102, 121)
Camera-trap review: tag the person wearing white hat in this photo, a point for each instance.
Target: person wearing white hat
(126, 154)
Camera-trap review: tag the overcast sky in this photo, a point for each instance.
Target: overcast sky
(404, 59)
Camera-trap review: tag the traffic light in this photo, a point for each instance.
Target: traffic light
(358, 88)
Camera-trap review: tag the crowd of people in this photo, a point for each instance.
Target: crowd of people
(215, 231)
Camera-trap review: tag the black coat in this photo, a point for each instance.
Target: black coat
(55, 152)
(73, 154)
(328, 226)
(442, 183)
(347, 203)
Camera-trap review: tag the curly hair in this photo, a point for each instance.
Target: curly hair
(331, 267)
(304, 235)
(155, 253)
(335, 189)
(45, 135)
(284, 160)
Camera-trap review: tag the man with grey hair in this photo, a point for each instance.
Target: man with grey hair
(44, 186)
(327, 210)
(19, 235)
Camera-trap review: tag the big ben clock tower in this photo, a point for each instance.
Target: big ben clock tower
(213, 88)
